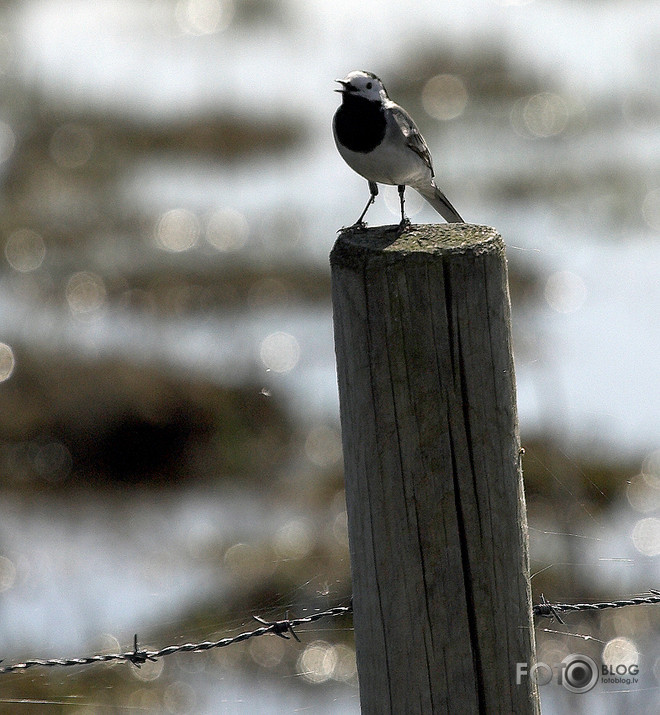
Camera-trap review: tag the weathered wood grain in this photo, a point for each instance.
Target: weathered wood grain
(436, 511)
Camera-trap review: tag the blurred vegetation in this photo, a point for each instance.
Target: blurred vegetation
(65, 180)
(485, 68)
(502, 97)
(74, 424)
(97, 427)
(569, 494)
(91, 426)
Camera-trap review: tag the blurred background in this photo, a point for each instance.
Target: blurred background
(170, 457)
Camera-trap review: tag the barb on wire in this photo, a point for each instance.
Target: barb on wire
(285, 629)
(552, 610)
(280, 628)
(139, 657)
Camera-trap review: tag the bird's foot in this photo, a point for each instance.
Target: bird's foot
(357, 226)
(404, 224)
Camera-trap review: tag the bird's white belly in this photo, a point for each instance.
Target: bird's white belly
(392, 162)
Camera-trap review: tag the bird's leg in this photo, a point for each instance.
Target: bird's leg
(405, 222)
(373, 190)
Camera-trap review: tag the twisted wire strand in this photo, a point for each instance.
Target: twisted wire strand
(286, 629)
(552, 609)
(138, 656)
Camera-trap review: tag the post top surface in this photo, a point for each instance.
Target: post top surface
(417, 238)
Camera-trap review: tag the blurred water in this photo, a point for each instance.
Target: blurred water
(594, 57)
(579, 205)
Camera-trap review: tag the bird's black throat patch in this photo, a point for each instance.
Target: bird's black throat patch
(360, 123)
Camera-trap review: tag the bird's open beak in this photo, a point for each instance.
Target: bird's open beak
(345, 86)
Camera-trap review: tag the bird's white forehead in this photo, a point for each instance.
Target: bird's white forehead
(358, 78)
(365, 84)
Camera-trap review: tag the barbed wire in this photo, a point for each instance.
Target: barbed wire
(286, 628)
(552, 610)
(139, 657)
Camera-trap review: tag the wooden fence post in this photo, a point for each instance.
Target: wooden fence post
(436, 510)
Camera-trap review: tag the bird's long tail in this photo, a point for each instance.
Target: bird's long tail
(439, 202)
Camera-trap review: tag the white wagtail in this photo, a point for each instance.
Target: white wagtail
(379, 140)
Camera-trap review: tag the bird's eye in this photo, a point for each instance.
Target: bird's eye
(369, 85)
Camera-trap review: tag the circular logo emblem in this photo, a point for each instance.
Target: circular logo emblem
(579, 673)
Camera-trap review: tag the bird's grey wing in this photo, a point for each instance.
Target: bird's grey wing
(414, 138)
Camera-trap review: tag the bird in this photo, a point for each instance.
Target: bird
(380, 141)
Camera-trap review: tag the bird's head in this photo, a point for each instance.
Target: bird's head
(362, 84)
